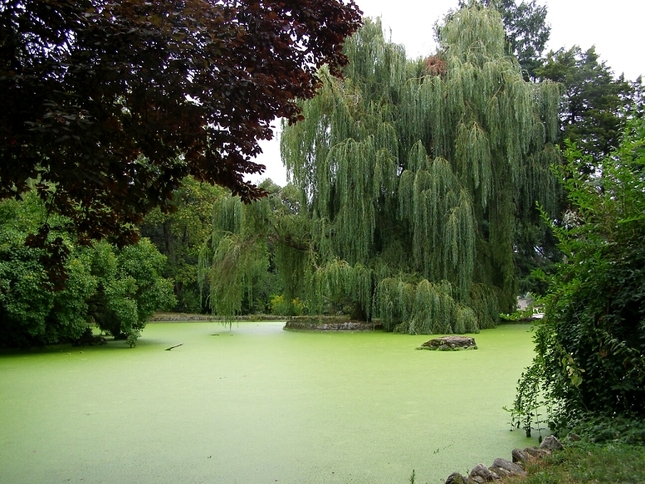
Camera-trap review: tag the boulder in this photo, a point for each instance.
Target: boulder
(456, 478)
(537, 453)
(519, 456)
(449, 343)
(480, 474)
(551, 443)
(505, 468)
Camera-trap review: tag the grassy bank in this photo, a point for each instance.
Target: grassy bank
(580, 462)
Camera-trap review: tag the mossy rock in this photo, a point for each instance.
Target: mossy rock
(449, 343)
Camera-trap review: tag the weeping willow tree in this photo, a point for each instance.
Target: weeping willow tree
(413, 175)
(419, 171)
(247, 245)
(236, 257)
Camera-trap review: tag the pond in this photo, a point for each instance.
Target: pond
(256, 404)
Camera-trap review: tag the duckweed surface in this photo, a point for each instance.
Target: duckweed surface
(255, 404)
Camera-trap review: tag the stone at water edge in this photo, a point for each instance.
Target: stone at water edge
(502, 468)
(537, 453)
(449, 343)
(331, 327)
(551, 443)
(519, 456)
(506, 468)
(456, 478)
(481, 473)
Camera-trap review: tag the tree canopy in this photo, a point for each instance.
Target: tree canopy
(526, 30)
(108, 105)
(237, 270)
(180, 234)
(411, 175)
(117, 289)
(596, 104)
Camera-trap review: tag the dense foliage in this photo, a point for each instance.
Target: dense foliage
(237, 272)
(411, 175)
(113, 103)
(591, 343)
(416, 177)
(527, 31)
(594, 101)
(180, 234)
(117, 289)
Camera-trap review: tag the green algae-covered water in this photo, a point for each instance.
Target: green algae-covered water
(256, 404)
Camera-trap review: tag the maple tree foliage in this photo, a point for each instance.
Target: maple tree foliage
(108, 105)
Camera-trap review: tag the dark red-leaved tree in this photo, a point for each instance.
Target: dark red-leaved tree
(107, 105)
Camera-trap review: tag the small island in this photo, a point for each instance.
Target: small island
(449, 343)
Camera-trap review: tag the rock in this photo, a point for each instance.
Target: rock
(551, 443)
(480, 474)
(502, 468)
(449, 343)
(519, 456)
(505, 468)
(537, 453)
(574, 437)
(456, 478)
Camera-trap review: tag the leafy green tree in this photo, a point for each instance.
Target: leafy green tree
(238, 262)
(526, 30)
(108, 105)
(31, 312)
(527, 33)
(116, 288)
(411, 175)
(180, 234)
(595, 103)
(595, 107)
(417, 171)
(590, 346)
(129, 287)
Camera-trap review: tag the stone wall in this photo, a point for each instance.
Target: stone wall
(330, 326)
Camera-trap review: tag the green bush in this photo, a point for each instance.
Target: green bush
(279, 306)
(130, 288)
(116, 288)
(590, 346)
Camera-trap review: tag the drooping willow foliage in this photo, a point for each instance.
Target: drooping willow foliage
(248, 242)
(236, 255)
(413, 175)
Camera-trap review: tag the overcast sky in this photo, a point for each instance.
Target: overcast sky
(615, 27)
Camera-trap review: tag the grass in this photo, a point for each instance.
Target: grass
(579, 462)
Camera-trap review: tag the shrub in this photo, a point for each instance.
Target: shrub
(590, 345)
(116, 288)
